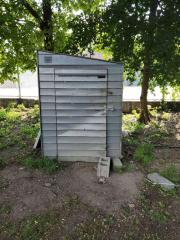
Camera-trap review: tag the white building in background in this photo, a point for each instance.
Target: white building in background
(29, 89)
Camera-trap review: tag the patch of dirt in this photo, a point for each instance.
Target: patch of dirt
(33, 191)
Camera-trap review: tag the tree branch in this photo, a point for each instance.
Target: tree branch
(32, 11)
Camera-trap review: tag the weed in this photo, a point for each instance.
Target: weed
(13, 116)
(21, 107)
(131, 124)
(2, 114)
(2, 162)
(5, 209)
(131, 141)
(46, 164)
(11, 105)
(34, 112)
(144, 154)
(3, 183)
(137, 115)
(37, 227)
(172, 174)
(165, 116)
(30, 130)
(159, 216)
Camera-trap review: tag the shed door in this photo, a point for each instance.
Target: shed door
(81, 113)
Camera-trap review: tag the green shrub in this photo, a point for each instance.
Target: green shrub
(131, 124)
(30, 130)
(144, 153)
(21, 107)
(11, 105)
(172, 174)
(2, 114)
(46, 164)
(34, 112)
(12, 116)
(2, 163)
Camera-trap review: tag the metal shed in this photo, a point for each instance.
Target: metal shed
(80, 107)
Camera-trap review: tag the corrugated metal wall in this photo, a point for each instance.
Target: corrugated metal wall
(80, 101)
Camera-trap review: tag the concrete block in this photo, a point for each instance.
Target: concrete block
(103, 167)
(117, 164)
(155, 178)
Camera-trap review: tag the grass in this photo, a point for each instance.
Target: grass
(30, 130)
(159, 217)
(37, 227)
(172, 174)
(2, 114)
(2, 163)
(144, 154)
(19, 126)
(131, 123)
(3, 184)
(45, 164)
(5, 209)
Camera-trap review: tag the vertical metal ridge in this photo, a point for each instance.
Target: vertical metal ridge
(106, 112)
(55, 114)
(40, 110)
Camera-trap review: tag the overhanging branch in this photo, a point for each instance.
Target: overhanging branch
(33, 12)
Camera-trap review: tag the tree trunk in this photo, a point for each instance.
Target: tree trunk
(45, 22)
(47, 25)
(144, 115)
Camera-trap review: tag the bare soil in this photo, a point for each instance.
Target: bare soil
(34, 192)
(72, 205)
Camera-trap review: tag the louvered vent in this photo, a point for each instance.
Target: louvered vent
(48, 59)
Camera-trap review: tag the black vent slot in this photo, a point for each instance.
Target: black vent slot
(48, 59)
(101, 76)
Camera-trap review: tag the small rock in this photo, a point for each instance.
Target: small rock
(47, 184)
(131, 205)
(21, 168)
(155, 178)
(102, 180)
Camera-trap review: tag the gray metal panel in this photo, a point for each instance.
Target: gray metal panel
(81, 133)
(92, 99)
(114, 130)
(81, 85)
(48, 70)
(83, 126)
(75, 99)
(60, 59)
(47, 99)
(81, 153)
(60, 78)
(46, 77)
(80, 92)
(76, 139)
(49, 133)
(80, 118)
(82, 146)
(78, 159)
(80, 72)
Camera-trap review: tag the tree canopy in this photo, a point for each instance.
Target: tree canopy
(142, 34)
